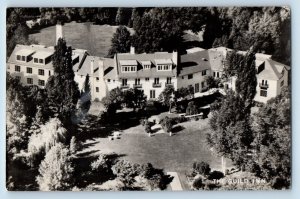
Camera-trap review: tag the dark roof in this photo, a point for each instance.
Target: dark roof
(152, 72)
(199, 61)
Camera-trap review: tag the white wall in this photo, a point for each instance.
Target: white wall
(197, 78)
(24, 75)
(271, 91)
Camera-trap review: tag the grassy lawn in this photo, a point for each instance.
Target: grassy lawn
(94, 38)
(176, 153)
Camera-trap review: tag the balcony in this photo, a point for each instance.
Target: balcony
(137, 85)
(265, 86)
(169, 84)
(156, 85)
(124, 86)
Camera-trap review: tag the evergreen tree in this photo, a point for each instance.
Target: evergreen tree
(246, 79)
(62, 90)
(85, 99)
(121, 41)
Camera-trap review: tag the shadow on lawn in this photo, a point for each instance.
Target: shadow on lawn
(85, 175)
(177, 129)
(95, 127)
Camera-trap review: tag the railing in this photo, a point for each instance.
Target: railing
(125, 86)
(156, 85)
(169, 84)
(263, 85)
(137, 85)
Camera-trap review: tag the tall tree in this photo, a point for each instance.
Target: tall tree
(121, 41)
(85, 98)
(56, 170)
(231, 133)
(246, 79)
(62, 90)
(273, 140)
(123, 16)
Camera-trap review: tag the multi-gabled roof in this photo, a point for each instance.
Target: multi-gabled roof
(140, 59)
(272, 70)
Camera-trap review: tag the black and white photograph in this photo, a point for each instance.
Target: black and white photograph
(148, 98)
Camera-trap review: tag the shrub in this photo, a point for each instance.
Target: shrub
(101, 164)
(192, 109)
(166, 124)
(148, 126)
(215, 175)
(56, 171)
(202, 168)
(198, 184)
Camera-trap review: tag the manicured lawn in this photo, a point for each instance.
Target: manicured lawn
(176, 153)
(94, 38)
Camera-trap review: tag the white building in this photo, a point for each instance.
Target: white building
(151, 72)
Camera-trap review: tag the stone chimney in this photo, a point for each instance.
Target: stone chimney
(132, 50)
(59, 31)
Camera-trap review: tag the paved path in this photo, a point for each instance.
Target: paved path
(175, 184)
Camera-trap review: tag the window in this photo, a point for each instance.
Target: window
(97, 78)
(190, 76)
(263, 93)
(152, 94)
(282, 83)
(29, 70)
(159, 67)
(49, 72)
(146, 66)
(282, 72)
(203, 72)
(156, 80)
(128, 68)
(19, 57)
(17, 68)
(166, 67)
(108, 80)
(29, 81)
(23, 58)
(35, 60)
(147, 79)
(202, 84)
(124, 82)
(169, 79)
(41, 82)
(264, 82)
(137, 81)
(197, 88)
(217, 74)
(41, 61)
(182, 77)
(41, 72)
(97, 89)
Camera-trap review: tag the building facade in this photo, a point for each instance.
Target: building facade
(150, 72)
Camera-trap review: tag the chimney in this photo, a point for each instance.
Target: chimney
(132, 50)
(59, 31)
(175, 57)
(92, 67)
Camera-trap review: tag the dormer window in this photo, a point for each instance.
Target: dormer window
(146, 64)
(128, 66)
(42, 57)
(22, 55)
(163, 64)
